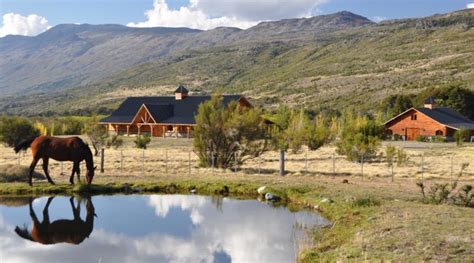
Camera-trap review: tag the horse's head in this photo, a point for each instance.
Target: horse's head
(90, 175)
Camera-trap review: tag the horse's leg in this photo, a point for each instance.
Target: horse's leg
(71, 180)
(33, 214)
(45, 169)
(78, 170)
(32, 169)
(46, 210)
(75, 211)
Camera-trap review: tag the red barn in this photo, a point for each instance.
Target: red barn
(428, 121)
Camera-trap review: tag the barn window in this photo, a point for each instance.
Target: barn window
(413, 117)
(439, 132)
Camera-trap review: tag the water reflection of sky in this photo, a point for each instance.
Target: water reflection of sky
(162, 228)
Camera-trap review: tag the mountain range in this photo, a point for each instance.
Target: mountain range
(329, 61)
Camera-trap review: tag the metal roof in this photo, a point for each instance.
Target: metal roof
(448, 117)
(164, 109)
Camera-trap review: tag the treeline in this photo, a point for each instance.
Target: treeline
(13, 129)
(453, 96)
(227, 136)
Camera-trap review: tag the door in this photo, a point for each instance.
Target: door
(413, 133)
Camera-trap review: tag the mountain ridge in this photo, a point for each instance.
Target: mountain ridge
(292, 53)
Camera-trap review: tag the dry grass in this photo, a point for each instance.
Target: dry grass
(176, 156)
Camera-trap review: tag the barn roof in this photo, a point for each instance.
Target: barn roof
(448, 117)
(444, 116)
(164, 109)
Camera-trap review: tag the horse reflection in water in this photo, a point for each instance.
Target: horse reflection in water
(60, 231)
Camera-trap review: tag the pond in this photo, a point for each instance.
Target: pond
(151, 228)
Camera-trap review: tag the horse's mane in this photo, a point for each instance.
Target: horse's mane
(24, 233)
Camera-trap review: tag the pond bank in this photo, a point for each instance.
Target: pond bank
(371, 220)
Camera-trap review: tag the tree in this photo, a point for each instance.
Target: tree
(97, 134)
(460, 136)
(318, 133)
(359, 137)
(396, 104)
(224, 135)
(14, 130)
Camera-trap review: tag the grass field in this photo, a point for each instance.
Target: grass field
(373, 218)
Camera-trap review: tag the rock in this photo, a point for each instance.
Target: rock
(193, 191)
(262, 190)
(137, 190)
(317, 208)
(326, 200)
(271, 197)
(345, 181)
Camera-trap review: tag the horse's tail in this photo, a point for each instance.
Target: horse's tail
(24, 144)
(24, 233)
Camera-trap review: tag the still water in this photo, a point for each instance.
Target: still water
(153, 228)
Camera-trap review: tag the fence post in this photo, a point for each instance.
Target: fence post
(259, 164)
(121, 162)
(189, 161)
(452, 164)
(391, 161)
(102, 157)
(166, 161)
(333, 165)
(306, 162)
(212, 161)
(143, 162)
(282, 163)
(422, 163)
(235, 162)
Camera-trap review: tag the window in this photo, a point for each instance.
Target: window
(413, 117)
(439, 133)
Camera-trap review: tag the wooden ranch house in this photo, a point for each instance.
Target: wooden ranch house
(428, 121)
(162, 116)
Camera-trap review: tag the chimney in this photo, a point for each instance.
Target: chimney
(180, 93)
(430, 103)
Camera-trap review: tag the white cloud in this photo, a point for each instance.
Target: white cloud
(15, 24)
(470, 6)
(378, 19)
(208, 14)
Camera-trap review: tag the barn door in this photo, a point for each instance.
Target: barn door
(413, 133)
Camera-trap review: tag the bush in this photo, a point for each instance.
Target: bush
(439, 138)
(318, 133)
(402, 157)
(359, 136)
(141, 142)
(114, 141)
(14, 130)
(422, 138)
(230, 134)
(390, 152)
(460, 136)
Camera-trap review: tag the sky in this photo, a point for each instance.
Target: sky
(32, 17)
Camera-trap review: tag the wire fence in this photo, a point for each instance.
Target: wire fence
(181, 160)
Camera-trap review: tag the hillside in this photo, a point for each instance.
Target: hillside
(330, 61)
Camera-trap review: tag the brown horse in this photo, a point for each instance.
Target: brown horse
(60, 231)
(60, 149)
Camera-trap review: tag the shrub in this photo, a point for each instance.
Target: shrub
(422, 138)
(14, 130)
(439, 138)
(114, 141)
(141, 142)
(460, 136)
(390, 152)
(402, 157)
(228, 134)
(318, 133)
(359, 136)
(366, 202)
